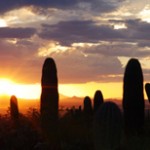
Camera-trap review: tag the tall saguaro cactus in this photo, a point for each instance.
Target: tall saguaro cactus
(98, 100)
(87, 106)
(49, 100)
(133, 97)
(147, 89)
(107, 127)
(14, 112)
(87, 111)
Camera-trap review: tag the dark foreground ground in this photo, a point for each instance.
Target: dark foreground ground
(74, 131)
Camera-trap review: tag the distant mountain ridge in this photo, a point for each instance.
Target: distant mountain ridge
(64, 102)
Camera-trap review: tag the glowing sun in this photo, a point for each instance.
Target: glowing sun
(6, 86)
(24, 91)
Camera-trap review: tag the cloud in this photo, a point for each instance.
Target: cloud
(98, 63)
(7, 32)
(87, 62)
(144, 44)
(138, 29)
(19, 61)
(74, 67)
(118, 49)
(95, 5)
(9, 5)
(68, 32)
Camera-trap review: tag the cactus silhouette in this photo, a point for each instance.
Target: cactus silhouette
(14, 111)
(49, 101)
(107, 127)
(133, 97)
(147, 89)
(87, 107)
(98, 100)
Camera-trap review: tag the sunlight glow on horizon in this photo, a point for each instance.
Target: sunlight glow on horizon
(109, 90)
(33, 91)
(24, 91)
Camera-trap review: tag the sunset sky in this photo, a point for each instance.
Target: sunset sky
(90, 40)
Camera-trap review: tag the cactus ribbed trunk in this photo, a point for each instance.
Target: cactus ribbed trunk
(147, 89)
(14, 112)
(87, 111)
(133, 97)
(87, 106)
(49, 101)
(107, 127)
(98, 100)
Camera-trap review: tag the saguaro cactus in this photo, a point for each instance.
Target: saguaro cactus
(98, 100)
(87, 107)
(107, 127)
(133, 97)
(49, 101)
(147, 89)
(14, 111)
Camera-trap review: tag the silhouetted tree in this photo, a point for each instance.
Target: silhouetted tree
(107, 127)
(87, 106)
(133, 97)
(98, 100)
(49, 102)
(14, 111)
(147, 89)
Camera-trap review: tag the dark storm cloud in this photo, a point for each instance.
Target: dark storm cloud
(95, 5)
(6, 32)
(120, 50)
(52, 3)
(138, 24)
(9, 5)
(70, 32)
(144, 44)
(115, 21)
(138, 29)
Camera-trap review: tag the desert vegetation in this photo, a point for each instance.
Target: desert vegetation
(97, 125)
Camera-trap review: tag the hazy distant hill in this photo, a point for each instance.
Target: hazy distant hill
(25, 104)
(64, 102)
(61, 96)
(22, 103)
(71, 101)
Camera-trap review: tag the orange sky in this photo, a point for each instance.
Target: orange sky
(90, 46)
(33, 91)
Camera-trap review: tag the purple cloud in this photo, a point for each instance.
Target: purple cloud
(7, 32)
